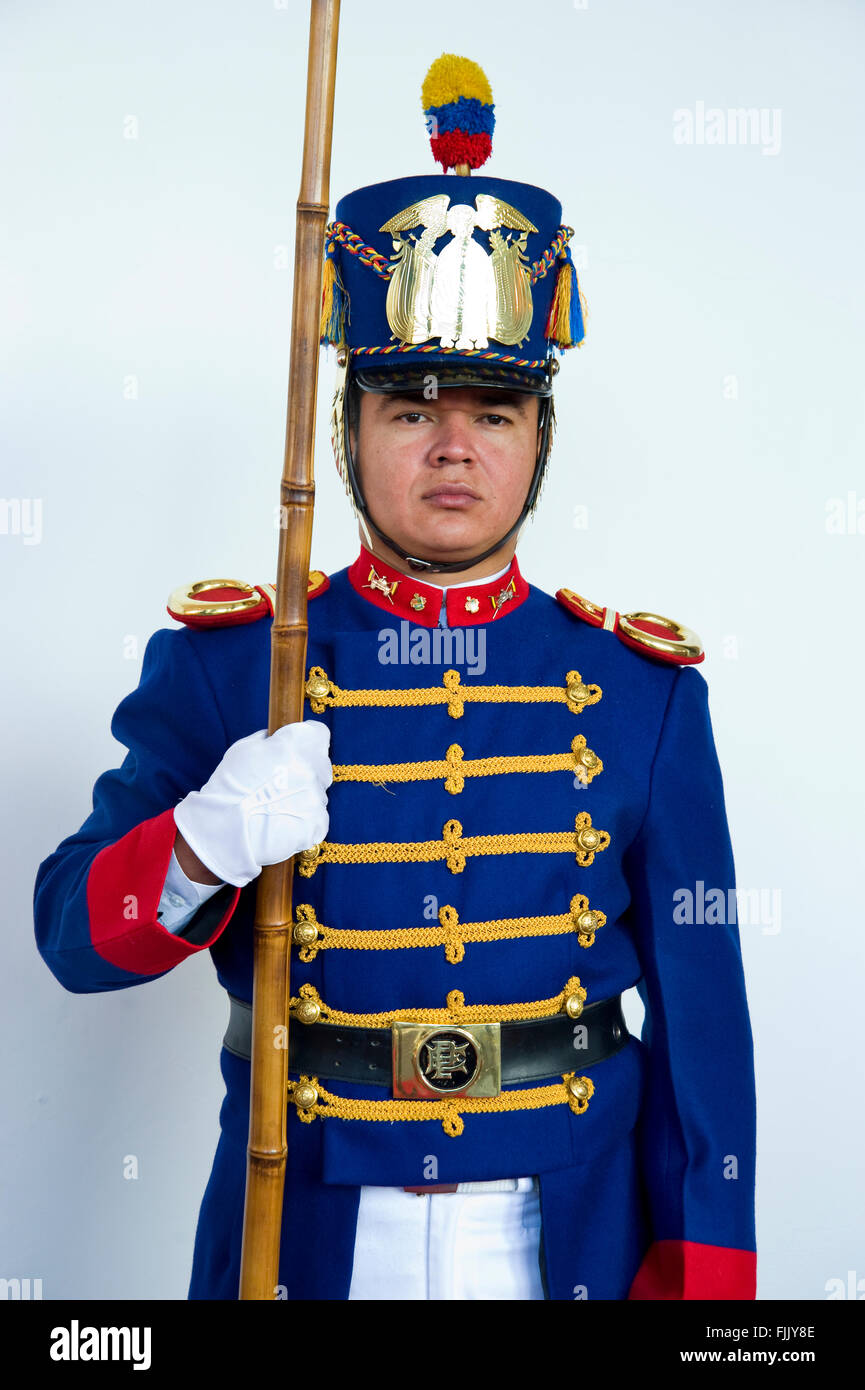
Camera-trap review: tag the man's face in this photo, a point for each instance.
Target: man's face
(445, 478)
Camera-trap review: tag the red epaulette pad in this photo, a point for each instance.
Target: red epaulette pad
(227, 602)
(646, 633)
(318, 582)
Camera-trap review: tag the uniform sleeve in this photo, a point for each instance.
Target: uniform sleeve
(97, 896)
(697, 1127)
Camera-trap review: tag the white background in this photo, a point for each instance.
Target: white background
(708, 422)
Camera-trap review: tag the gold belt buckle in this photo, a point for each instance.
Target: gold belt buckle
(431, 1061)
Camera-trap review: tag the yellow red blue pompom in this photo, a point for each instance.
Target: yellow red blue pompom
(458, 106)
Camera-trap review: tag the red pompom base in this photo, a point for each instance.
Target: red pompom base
(455, 147)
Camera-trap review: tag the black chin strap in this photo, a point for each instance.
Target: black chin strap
(449, 567)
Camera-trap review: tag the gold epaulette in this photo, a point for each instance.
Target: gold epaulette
(225, 602)
(646, 633)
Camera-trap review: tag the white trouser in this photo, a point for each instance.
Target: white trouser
(476, 1243)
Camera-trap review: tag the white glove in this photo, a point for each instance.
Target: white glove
(266, 801)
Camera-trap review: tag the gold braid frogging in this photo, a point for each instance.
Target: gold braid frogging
(584, 842)
(323, 693)
(450, 933)
(319, 1101)
(457, 1010)
(455, 767)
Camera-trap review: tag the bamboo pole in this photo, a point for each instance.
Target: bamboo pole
(266, 1154)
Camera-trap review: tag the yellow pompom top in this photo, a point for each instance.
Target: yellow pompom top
(451, 77)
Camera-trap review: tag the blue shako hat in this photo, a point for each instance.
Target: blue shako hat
(400, 289)
(466, 280)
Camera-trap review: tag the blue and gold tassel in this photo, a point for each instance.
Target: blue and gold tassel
(334, 301)
(565, 325)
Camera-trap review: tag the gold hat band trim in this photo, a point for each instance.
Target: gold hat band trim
(308, 1007)
(450, 932)
(311, 1099)
(584, 841)
(455, 767)
(323, 693)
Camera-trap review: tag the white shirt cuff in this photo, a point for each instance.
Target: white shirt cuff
(181, 897)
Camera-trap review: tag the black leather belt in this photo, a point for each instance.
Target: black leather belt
(531, 1050)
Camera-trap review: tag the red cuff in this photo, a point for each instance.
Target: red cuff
(124, 887)
(682, 1269)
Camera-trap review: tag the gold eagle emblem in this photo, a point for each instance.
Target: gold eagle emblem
(464, 296)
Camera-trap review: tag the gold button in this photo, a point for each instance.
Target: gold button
(587, 922)
(573, 1006)
(578, 1087)
(307, 1011)
(578, 693)
(588, 758)
(304, 934)
(305, 1096)
(310, 855)
(588, 838)
(317, 687)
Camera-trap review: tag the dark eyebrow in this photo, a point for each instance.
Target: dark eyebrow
(387, 398)
(515, 399)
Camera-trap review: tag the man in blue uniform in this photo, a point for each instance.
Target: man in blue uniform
(499, 804)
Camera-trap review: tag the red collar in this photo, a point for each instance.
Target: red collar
(404, 597)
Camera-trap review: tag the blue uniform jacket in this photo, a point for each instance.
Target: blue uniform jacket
(646, 1192)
